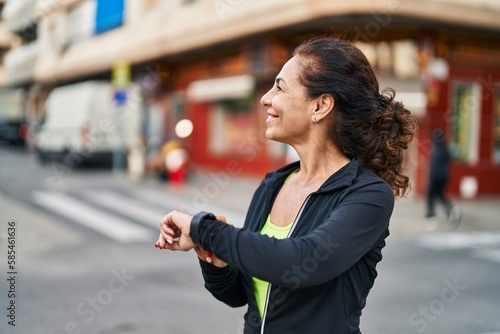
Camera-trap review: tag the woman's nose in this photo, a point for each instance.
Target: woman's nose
(265, 100)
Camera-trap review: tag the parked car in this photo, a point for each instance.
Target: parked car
(13, 126)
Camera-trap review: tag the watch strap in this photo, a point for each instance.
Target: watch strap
(195, 225)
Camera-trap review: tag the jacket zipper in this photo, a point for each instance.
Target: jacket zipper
(263, 322)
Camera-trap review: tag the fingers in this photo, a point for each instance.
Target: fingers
(200, 252)
(174, 245)
(161, 243)
(221, 218)
(203, 254)
(174, 234)
(169, 232)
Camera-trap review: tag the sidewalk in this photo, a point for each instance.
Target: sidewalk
(476, 215)
(230, 195)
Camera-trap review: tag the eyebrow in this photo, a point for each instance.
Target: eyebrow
(280, 79)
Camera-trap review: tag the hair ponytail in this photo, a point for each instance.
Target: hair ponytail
(366, 124)
(391, 133)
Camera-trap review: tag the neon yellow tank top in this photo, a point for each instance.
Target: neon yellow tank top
(260, 287)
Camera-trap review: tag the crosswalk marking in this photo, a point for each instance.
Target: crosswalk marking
(483, 245)
(107, 224)
(125, 217)
(460, 240)
(160, 198)
(487, 254)
(128, 207)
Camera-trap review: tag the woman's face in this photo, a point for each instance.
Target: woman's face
(289, 109)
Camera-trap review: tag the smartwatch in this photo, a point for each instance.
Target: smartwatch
(195, 222)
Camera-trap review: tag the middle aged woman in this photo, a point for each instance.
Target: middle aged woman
(305, 260)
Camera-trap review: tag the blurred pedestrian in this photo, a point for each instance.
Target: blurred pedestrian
(439, 169)
(306, 258)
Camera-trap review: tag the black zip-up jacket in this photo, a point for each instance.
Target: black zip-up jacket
(321, 274)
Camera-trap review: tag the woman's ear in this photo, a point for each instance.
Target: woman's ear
(323, 106)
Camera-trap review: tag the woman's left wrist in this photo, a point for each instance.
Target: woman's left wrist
(194, 231)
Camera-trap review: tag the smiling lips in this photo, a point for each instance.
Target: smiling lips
(270, 117)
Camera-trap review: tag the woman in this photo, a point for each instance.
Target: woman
(305, 259)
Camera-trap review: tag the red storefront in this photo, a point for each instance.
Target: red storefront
(221, 93)
(452, 83)
(464, 101)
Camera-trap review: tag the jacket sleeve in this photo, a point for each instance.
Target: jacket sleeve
(352, 229)
(224, 284)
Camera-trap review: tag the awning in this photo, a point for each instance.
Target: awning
(221, 88)
(19, 14)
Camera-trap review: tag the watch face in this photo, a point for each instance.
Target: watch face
(203, 215)
(195, 222)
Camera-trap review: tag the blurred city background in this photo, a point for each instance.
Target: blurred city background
(114, 112)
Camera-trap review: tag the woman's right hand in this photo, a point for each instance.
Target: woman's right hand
(209, 257)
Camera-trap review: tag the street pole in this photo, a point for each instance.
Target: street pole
(120, 78)
(119, 142)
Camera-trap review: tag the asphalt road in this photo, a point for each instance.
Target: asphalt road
(85, 263)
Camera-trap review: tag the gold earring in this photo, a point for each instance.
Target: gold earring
(314, 119)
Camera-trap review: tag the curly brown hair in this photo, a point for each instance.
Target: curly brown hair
(367, 124)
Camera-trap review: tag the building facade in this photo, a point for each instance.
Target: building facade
(211, 61)
(18, 50)
(5, 44)
(464, 101)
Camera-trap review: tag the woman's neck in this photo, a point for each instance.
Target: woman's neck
(318, 162)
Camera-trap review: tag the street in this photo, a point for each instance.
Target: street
(85, 260)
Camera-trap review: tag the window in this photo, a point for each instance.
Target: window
(178, 105)
(81, 21)
(496, 127)
(109, 15)
(465, 123)
(232, 127)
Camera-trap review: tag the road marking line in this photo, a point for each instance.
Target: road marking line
(127, 206)
(487, 254)
(460, 240)
(160, 198)
(111, 226)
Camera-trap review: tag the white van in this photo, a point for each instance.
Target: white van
(83, 124)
